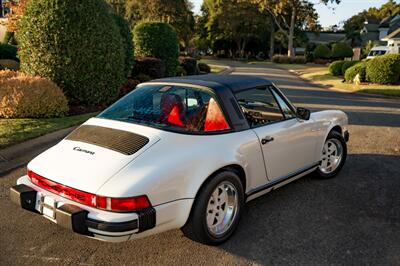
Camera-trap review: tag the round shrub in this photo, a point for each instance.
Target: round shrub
(189, 65)
(336, 68)
(342, 50)
(204, 68)
(299, 60)
(322, 52)
(8, 51)
(384, 69)
(9, 64)
(352, 72)
(153, 67)
(157, 39)
(347, 64)
(127, 42)
(78, 46)
(23, 96)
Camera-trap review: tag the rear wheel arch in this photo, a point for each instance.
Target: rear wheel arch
(236, 168)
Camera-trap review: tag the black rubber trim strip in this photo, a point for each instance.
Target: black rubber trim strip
(280, 180)
(112, 227)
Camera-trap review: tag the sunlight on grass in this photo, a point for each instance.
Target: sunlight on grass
(321, 76)
(13, 131)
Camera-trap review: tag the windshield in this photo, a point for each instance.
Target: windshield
(377, 52)
(176, 108)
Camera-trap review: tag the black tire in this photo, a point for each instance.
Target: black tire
(196, 227)
(337, 136)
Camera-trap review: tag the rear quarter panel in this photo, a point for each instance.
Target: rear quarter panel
(177, 166)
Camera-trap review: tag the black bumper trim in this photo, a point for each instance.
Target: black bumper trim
(112, 227)
(74, 218)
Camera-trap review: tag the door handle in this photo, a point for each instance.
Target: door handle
(266, 140)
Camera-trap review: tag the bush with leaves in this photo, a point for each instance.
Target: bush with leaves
(322, 51)
(189, 64)
(335, 68)
(127, 42)
(341, 50)
(204, 68)
(23, 96)
(384, 69)
(284, 59)
(78, 46)
(153, 67)
(358, 69)
(159, 40)
(8, 51)
(347, 64)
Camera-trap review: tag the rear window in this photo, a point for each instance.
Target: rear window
(175, 108)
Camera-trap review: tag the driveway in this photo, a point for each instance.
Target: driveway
(353, 219)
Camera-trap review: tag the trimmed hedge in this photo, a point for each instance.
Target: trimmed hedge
(153, 67)
(157, 39)
(8, 51)
(204, 68)
(384, 69)
(352, 72)
(336, 68)
(189, 64)
(342, 50)
(347, 64)
(284, 59)
(23, 96)
(322, 52)
(127, 41)
(78, 46)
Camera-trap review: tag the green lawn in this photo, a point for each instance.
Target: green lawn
(13, 131)
(320, 75)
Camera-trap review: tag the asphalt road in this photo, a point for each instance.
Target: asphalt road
(353, 219)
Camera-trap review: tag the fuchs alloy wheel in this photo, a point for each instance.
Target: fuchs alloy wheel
(334, 155)
(216, 211)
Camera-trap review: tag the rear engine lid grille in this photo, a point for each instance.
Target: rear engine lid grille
(114, 139)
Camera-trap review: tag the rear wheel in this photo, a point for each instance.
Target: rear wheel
(334, 155)
(217, 209)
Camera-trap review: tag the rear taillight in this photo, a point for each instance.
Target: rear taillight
(89, 199)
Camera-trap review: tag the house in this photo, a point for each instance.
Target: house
(325, 37)
(375, 30)
(393, 41)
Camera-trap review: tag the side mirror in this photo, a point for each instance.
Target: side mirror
(303, 113)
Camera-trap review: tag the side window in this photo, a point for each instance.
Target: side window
(287, 111)
(259, 106)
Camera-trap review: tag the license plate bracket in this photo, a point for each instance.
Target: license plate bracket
(47, 207)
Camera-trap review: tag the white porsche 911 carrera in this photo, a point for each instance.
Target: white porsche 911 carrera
(181, 153)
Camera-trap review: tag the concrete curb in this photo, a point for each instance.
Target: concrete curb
(20, 154)
(228, 69)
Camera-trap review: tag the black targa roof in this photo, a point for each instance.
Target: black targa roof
(233, 82)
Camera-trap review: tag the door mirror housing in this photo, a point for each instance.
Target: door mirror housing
(303, 113)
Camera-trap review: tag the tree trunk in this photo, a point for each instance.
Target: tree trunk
(291, 52)
(272, 41)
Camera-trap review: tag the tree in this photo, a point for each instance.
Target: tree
(289, 14)
(236, 20)
(177, 13)
(118, 6)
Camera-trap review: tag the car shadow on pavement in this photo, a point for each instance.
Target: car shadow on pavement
(351, 219)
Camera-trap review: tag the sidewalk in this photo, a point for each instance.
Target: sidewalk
(20, 154)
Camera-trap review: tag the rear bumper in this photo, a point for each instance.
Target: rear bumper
(76, 219)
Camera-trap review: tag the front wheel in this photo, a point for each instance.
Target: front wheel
(217, 209)
(334, 155)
